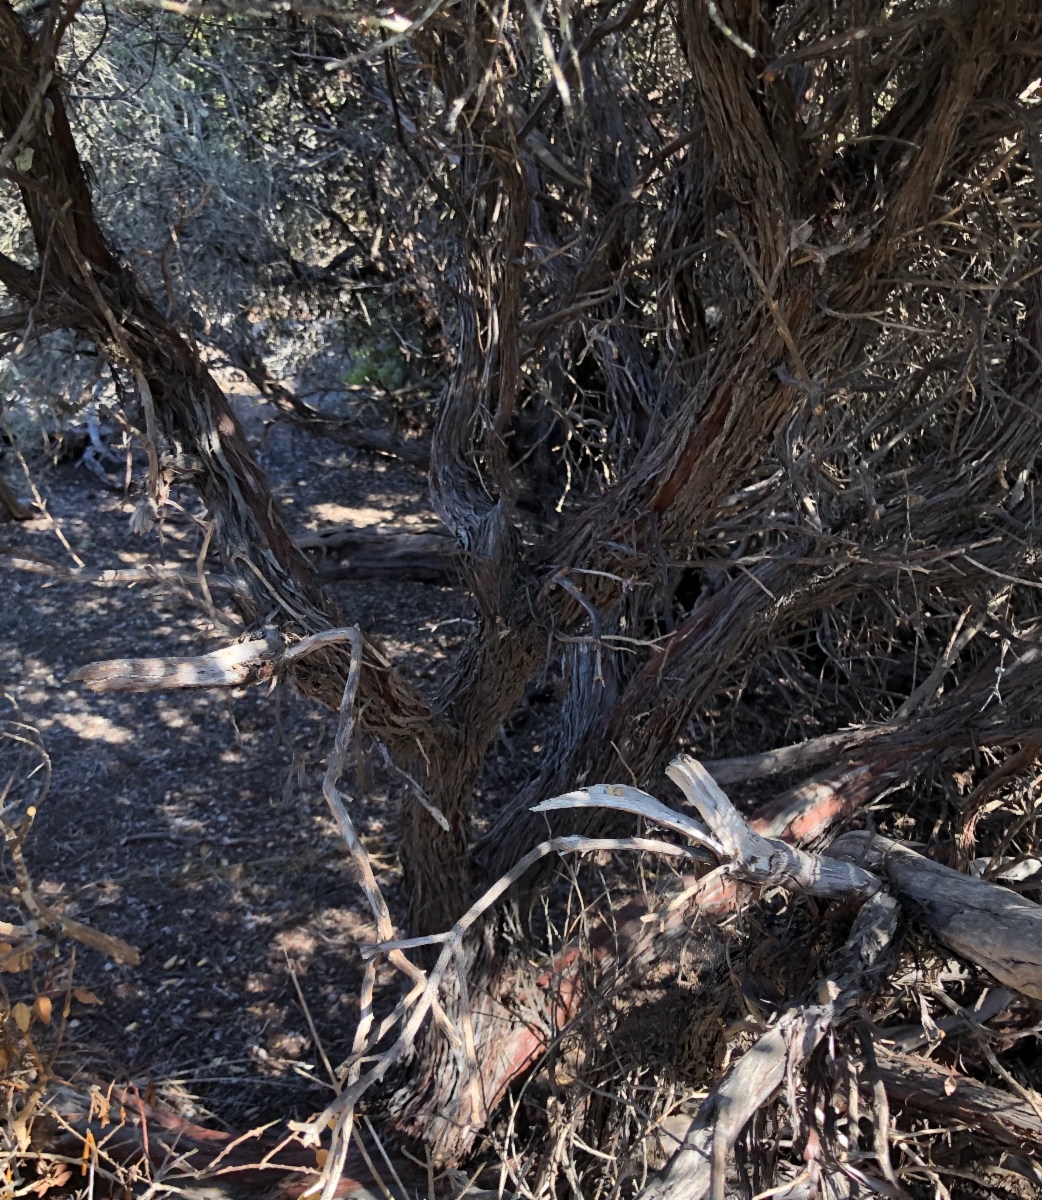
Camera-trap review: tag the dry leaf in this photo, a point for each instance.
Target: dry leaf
(22, 1016)
(321, 1156)
(18, 960)
(42, 1008)
(86, 996)
(950, 1084)
(57, 1176)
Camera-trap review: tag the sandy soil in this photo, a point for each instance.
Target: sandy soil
(192, 823)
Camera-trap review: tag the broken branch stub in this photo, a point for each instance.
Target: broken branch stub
(990, 925)
(756, 859)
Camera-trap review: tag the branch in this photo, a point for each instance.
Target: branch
(230, 666)
(756, 859)
(984, 922)
(699, 1166)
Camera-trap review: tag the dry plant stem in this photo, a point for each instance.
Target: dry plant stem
(974, 1025)
(698, 1168)
(337, 763)
(988, 924)
(43, 916)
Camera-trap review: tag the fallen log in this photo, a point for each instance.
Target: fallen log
(350, 552)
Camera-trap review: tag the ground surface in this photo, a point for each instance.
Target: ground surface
(192, 824)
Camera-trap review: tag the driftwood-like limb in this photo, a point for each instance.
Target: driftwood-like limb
(756, 859)
(633, 800)
(990, 925)
(230, 666)
(698, 1167)
(241, 662)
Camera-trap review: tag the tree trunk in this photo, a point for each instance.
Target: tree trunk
(193, 437)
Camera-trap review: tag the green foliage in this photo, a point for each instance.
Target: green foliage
(378, 364)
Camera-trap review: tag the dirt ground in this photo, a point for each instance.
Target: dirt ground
(192, 823)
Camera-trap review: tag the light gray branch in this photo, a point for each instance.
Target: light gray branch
(756, 859)
(988, 924)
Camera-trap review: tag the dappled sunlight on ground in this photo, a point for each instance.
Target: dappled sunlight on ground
(191, 823)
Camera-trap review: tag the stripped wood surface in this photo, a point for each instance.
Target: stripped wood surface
(990, 925)
(239, 663)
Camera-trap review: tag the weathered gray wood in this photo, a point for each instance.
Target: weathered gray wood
(349, 552)
(927, 1087)
(699, 1164)
(907, 1038)
(988, 924)
(632, 800)
(756, 859)
(732, 1104)
(229, 666)
(802, 756)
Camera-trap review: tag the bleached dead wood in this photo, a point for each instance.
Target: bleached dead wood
(699, 1166)
(149, 573)
(756, 859)
(240, 663)
(913, 1037)
(632, 800)
(990, 925)
(749, 857)
(1008, 869)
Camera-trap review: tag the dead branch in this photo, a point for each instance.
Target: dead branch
(232, 666)
(346, 552)
(698, 1167)
(981, 921)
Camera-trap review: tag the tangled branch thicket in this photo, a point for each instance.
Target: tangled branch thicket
(719, 327)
